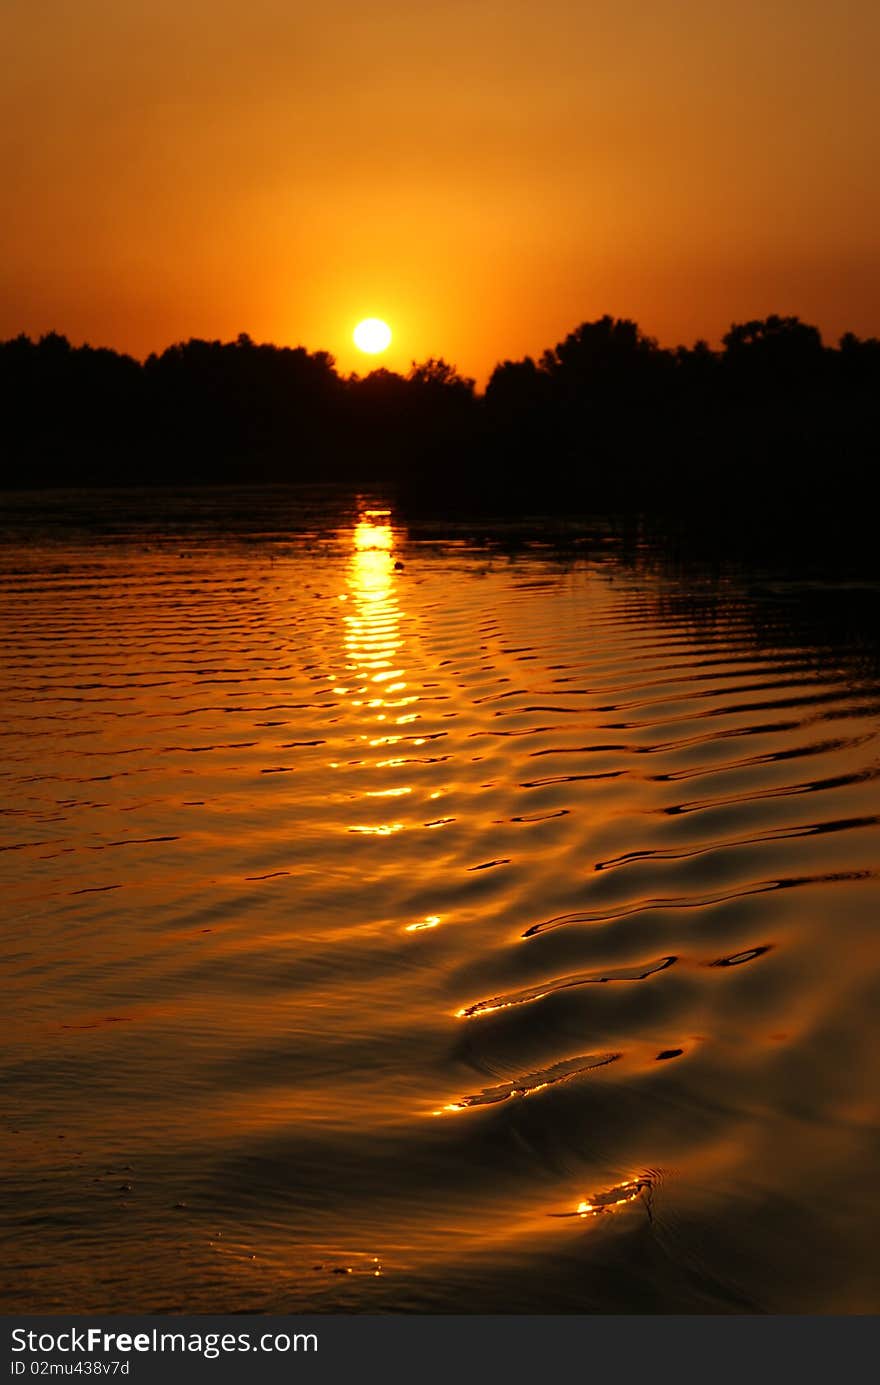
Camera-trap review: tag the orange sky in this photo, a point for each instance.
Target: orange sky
(484, 174)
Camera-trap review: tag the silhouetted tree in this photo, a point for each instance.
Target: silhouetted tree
(770, 429)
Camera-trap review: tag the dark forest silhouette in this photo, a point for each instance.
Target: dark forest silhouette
(774, 424)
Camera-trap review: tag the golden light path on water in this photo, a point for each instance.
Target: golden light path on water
(374, 648)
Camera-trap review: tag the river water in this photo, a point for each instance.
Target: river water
(418, 921)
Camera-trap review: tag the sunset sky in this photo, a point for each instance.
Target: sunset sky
(482, 174)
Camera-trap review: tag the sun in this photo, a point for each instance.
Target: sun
(372, 335)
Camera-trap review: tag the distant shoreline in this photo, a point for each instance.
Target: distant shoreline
(774, 439)
(807, 543)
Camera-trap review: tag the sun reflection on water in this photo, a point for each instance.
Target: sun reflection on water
(429, 921)
(610, 1200)
(373, 644)
(375, 655)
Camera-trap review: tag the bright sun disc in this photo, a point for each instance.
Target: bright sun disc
(372, 335)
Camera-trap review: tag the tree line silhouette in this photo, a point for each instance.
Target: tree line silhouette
(774, 423)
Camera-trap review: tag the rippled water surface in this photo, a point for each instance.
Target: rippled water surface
(407, 922)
